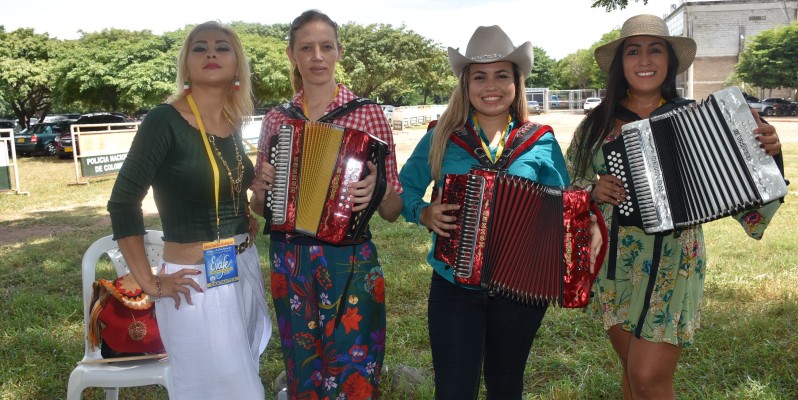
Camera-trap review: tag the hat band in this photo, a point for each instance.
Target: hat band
(487, 57)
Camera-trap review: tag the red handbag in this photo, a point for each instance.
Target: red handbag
(122, 321)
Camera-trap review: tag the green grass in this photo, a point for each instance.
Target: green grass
(747, 347)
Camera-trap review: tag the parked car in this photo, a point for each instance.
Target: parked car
(64, 145)
(591, 103)
(780, 107)
(40, 138)
(755, 104)
(387, 109)
(554, 101)
(10, 124)
(534, 107)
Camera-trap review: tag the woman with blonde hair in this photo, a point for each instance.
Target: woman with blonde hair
(472, 329)
(208, 291)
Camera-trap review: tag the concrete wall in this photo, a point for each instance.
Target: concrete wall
(720, 29)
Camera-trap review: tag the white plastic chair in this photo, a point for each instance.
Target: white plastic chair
(112, 376)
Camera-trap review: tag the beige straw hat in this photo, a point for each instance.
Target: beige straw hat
(648, 25)
(489, 44)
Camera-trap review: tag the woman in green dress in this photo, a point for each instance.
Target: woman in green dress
(649, 290)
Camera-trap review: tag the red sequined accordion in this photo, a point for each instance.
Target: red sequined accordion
(520, 239)
(314, 162)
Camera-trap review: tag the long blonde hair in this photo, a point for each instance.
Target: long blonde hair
(456, 115)
(239, 102)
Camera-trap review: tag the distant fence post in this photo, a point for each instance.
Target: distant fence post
(8, 164)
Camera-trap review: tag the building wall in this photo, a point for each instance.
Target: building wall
(720, 29)
(712, 73)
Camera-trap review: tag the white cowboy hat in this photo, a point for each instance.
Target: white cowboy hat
(648, 25)
(489, 44)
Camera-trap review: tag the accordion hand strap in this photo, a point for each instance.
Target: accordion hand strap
(604, 237)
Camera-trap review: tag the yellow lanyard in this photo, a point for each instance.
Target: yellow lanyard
(305, 105)
(214, 166)
(482, 140)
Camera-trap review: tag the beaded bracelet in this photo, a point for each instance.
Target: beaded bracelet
(158, 285)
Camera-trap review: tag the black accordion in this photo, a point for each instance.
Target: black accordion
(694, 164)
(314, 162)
(520, 239)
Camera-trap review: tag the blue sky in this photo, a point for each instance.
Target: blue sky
(558, 26)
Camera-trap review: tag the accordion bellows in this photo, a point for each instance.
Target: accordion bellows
(694, 164)
(519, 239)
(314, 162)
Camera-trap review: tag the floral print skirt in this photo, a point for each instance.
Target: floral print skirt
(330, 306)
(674, 311)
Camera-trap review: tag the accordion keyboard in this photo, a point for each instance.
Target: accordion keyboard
(277, 199)
(472, 214)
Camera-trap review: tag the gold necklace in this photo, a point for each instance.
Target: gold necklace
(235, 184)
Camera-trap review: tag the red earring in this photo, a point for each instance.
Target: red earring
(237, 85)
(186, 87)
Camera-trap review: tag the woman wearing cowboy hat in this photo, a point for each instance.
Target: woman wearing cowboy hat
(467, 326)
(648, 321)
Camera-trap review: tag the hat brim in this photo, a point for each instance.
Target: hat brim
(684, 47)
(523, 56)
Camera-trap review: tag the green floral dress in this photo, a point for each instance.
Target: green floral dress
(672, 313)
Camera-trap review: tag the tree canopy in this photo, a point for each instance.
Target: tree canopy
(121, 70)
(26, 72)
(769, 59)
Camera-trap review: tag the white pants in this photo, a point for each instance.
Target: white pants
(214, 344)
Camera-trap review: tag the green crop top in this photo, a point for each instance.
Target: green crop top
(169, 154)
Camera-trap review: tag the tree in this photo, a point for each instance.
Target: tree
(117, 70)
(611, 5)
(390, 63)
(434, 79)
(768, 60)
(276, 31)
(26, 72)
(542, 75)
(270, 68)
(580, 70)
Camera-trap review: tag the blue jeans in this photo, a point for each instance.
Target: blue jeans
(470, 327)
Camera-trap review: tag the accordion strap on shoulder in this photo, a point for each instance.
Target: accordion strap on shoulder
(294, 112)
(521, 139)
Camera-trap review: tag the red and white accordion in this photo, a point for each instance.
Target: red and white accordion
(314, 162)
(520, 239)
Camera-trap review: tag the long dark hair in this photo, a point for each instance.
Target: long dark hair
(600, 122)
(298, 23)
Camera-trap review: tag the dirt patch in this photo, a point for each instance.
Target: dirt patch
(59, 221)
(40, 224)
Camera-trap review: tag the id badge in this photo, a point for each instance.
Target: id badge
(220, 262)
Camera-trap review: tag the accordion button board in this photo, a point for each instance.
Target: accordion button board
(693, 164)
